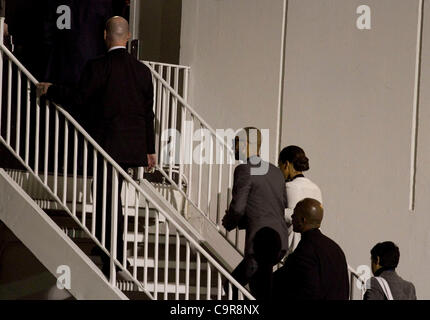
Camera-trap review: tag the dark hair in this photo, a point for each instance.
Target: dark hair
(388, 253)
(251, 135)
(296, 156)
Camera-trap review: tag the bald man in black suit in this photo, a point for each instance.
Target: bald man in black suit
(114, 102)
(317, 269)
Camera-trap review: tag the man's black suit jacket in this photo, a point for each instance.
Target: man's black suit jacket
(316, 270)
(114, 102)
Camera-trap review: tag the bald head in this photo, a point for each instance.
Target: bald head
(117, 32)
(308, 214)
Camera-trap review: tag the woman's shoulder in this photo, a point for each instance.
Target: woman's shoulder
(299, 182)
(303, 187)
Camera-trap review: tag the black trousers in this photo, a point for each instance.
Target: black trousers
(109, 213)
(257, 269)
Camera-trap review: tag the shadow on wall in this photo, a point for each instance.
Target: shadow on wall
(22, 276)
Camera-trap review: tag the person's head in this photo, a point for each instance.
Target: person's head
(247, 143)
(308, 215)
(293, 161)
(117, 32)
(384, 255)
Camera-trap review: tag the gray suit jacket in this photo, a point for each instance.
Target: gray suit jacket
(258, 201)
(400, 289)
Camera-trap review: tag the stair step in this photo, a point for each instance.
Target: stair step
(64, 220)
(171, 288)
(33, 188)
(140, 263)
(171, 275)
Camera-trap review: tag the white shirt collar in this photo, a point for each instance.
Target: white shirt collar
(116, 47)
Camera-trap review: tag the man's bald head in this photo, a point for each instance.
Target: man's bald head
(308, 214)
(117, 32)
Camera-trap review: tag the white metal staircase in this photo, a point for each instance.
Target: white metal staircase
(175, 246)
(167, 258)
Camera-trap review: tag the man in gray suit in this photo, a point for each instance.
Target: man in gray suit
(385, 258)
(258, 205)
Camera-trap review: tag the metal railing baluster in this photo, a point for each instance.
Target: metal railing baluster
(114, 227)
(37, 138)
(9, 102)
(84, 184)
(136, 229)
(187, 271)
(95, 181)
(156, 252)
(125, 212)
(18, 112)
(208, 281)
(75, 170)
(166, 260)
(198, 271)
(46, 153)
(178, 262)
(27, 122)
(104, 197)
(65, 159)
(56, 134)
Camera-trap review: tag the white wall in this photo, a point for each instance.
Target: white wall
(349, 100)
(348, 103)
(233, 48)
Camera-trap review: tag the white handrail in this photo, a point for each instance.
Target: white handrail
(355, 276)
(162, 105)
(153, 63)
(128, 181)
(188, 107)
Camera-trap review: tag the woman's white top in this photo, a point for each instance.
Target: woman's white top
(297, 190)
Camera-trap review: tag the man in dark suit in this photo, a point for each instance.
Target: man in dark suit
(385, 259)
(115, 102)
(317, 269)
(258, 205)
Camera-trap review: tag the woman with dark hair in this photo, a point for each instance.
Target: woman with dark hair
(293, 162)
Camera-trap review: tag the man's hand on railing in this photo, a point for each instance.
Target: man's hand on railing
(42, 88)
(152, 162)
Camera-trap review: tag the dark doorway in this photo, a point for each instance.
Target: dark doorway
(160, 30)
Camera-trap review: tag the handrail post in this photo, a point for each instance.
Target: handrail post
(114, 226)
(2, 19)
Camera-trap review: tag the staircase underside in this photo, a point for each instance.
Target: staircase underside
(43, 238)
